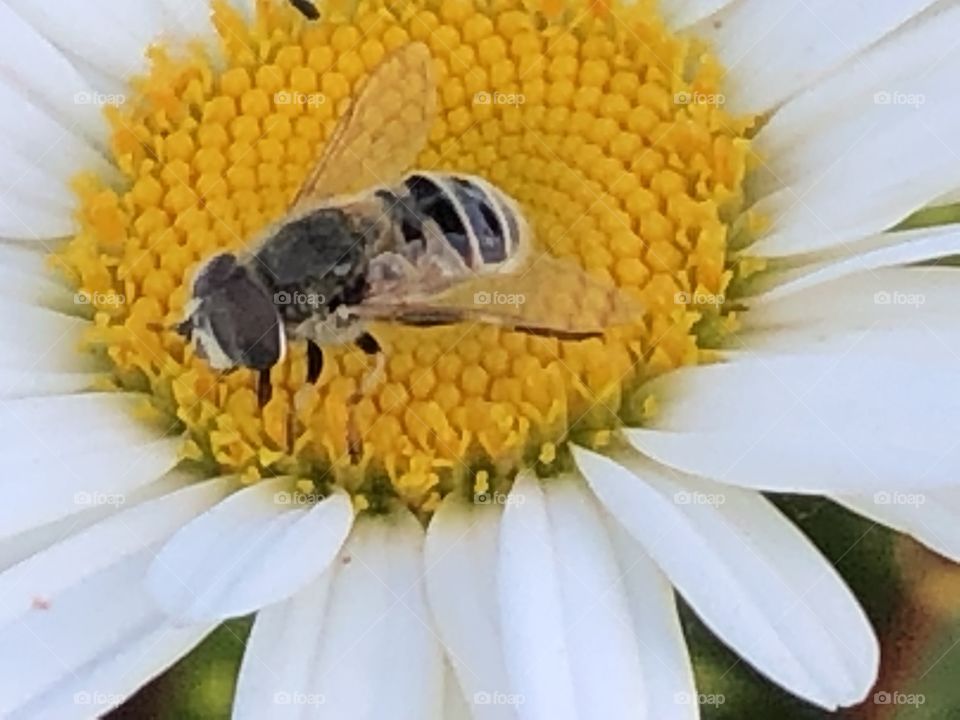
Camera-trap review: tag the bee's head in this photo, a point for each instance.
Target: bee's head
(231, 319)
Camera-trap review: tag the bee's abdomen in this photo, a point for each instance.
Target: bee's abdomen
(475, 218)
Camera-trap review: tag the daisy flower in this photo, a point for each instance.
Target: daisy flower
(509, 541)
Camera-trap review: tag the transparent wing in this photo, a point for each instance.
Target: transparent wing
(549, 297)
(381, 133)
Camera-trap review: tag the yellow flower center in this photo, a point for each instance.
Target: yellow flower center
(608, 130)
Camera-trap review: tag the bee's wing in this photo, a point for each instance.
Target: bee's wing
(382, 131)
(549, 297)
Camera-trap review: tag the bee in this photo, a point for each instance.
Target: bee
(367, 240)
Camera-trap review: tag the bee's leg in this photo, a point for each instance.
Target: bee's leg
(264, 389)
(314, 362)
(307, 8)
(369, 345)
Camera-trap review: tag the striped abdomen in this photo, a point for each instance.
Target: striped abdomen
(478, 220)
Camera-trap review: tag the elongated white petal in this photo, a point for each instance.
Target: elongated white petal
(605, 659)
(280, 658)
(66, 451)
(34, 67)
(28, 219)
(809, 423)
(461, 558)
(56, 570)
(667, 671)
(565, 608)
(51, 344)
(78, 29)
(683, 13)
(30, 542)
(50, 141)
(896, 143)
(753, 578)
(455, 705)
(248, 552)
(24, 383)
(113, 676)
(76, 624)
(379, 657)
(774, 50)
(28, 288)
(535, 647)
(835, 106)
(892, 249)
(932, 518)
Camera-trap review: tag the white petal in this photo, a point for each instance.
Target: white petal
(23, 545)
(564, 607)
(79, 29)
(836, 105)
(51, 345)
(27, 180)
(32, 65)
(890, 249)
(379, 657)
(931, 518)
(604, 656)
(113, 676)
(52, 142)
(89, 627)
(861, 173)
(54, 571)
(24, 383)
(667, 671)
(809, 423)
(461, 558)
(21, 283)
(772, 50)
(281, 655)
(532, 614)
(26, 219)
(246, 552)
(455, 704)
(752, 577)
(65, 451)
(683, 13)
